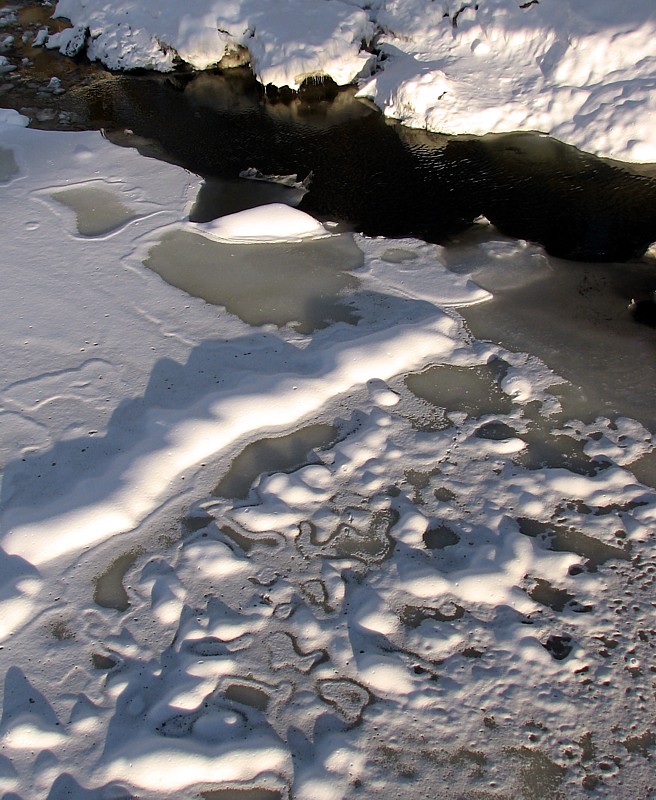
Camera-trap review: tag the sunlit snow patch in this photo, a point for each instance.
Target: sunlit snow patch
(275, 222)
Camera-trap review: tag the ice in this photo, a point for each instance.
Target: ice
(242, 558)
(98, 209)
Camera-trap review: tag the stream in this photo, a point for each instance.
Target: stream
(374, 176)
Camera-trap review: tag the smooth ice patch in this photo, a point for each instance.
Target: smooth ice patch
(304, 283)
(98, 210)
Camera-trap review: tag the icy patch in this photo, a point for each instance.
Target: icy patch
(98, 210)
(306, 283)
(411, 268)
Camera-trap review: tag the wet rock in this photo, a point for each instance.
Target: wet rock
(559, 646)
(644, 311)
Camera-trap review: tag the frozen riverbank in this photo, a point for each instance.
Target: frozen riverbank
(583, 72)
(443, 576)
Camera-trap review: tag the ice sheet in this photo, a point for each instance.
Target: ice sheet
(442, 597)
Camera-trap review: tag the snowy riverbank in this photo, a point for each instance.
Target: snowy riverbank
(420, 593)
(319, 535)
(583, 72)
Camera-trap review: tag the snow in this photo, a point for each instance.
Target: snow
(377, 610)
(10, 117)
(274, 222)
(582, 72)
(578, 71)
(287, 41)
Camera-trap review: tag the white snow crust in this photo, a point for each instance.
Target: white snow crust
(583, 71)
(418, 608)
(274, 222)
(287, 41)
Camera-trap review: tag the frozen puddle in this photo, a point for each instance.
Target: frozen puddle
(99, 211)
(278, 283)
(273, 454)
(422, 571)
(109, 590)
(472, 391)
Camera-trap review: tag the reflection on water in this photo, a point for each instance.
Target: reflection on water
(382, 178)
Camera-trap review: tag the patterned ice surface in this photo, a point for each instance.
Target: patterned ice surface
(450, 593)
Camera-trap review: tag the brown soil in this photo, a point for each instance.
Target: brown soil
(27, 88)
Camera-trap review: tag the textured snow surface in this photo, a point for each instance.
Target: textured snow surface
(287, 41)
(433, 583)
(583, 71)
(275, 222)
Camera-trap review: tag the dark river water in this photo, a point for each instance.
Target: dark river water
(384, 179)
(594, 217)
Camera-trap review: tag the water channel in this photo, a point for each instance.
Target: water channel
(595, 218)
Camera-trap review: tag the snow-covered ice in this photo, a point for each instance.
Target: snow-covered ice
(274, 222)
(447, 592)
(584, 72)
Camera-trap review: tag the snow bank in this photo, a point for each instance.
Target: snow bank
(274, 222)
(584, 72)
(10, 117)
(580, 70)
(286, 42)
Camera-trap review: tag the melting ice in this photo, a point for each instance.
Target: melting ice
(444, 590)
